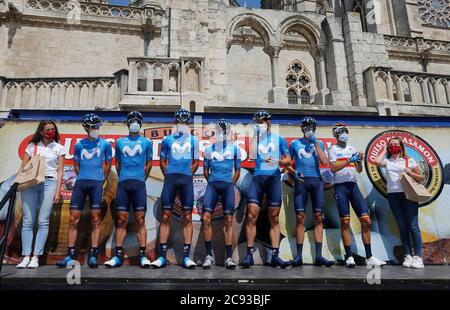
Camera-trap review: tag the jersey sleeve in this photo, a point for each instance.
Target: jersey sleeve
(77, 152)
(108, 151)
(149, 153)
(237, 158)
(284, 151)
(164, 148)
(332, 154)
(118, 151)
(207, 158)
(195, 148)
(292, 149)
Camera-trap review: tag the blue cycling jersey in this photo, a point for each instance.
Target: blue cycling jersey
(221, 158)
(133, 154)
(180, 149)
(271, 145)
(91, 155)
(306, 158)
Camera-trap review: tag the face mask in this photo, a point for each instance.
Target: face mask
(49, 135)
(261, 129)
(395, 149)
(182, 128)
(94, 134)
(134, 127)
(220, 136)
(343, 137)
(308, 133)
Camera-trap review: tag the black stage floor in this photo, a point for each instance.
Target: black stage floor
(257, 277)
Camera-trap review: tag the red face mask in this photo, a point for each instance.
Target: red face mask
(395, 149)
(49, 134)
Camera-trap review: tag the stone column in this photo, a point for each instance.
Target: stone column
(77, 95)
(424, 86)
(399, 85)
(4, 96)
(50, 87)
(132, 80)
(62, 93)
(321, 76)
(447, 89)
(388, 81)
(2, 85)
(166, 78)
(33, 95)
(90, 99)
(278, 93)
(411, 87)
(19, 90)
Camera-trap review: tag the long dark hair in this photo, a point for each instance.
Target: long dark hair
(38, 137)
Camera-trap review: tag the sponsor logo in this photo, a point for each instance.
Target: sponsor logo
(417, 148)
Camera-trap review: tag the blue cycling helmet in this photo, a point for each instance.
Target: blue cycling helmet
(308, 122)
(91, 119)
(135, 115)
(262, 115)
(182, 116)
(224, 124)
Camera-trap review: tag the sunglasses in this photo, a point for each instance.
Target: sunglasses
(97, 126)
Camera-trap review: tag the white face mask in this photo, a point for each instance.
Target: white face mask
(343, 137)
(134, 127)
(261, 129)
(94, 134)
(220, 137)
(182, 128)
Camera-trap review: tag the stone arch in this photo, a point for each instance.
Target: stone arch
(256, 22)
(304, 25)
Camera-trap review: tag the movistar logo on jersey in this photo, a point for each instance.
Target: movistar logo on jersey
(180, 151)
(127, 151)
(221, 156)
(305, 154)
(263, 150)
(85, 154)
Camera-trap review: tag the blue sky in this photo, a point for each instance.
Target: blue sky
(249, 3)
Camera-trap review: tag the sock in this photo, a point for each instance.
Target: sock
(275, 252)
(299, 249)
(318, 249)
(71, 252)
(142, 251)
(348, 251)
(368, 249)
(119, 252)
(249, 250)
(93, 252)
(229, 250)
(208, 247)
(163, 249)
(186, 250)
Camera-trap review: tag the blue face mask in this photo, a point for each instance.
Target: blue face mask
(134, 127)
(343, 137)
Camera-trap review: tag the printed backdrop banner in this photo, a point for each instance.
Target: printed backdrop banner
(425, 144)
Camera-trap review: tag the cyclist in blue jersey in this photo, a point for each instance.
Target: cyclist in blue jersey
(92, 163)
(222, 168)
(270, 151)
(308, 153)
(133, 164)
(179, 159)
